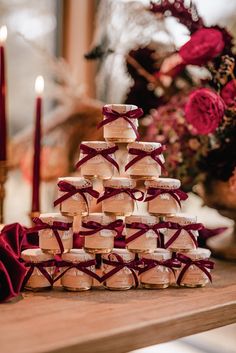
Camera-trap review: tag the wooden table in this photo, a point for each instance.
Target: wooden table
(101, 321)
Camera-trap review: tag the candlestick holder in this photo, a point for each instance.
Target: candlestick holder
(32, 215)
(3, 178)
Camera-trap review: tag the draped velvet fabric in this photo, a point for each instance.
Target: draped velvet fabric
(12, 271)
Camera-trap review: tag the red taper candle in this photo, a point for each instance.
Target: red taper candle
(39, 87)
(3, 122)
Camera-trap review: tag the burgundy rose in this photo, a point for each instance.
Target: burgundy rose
(204, 45)
(228, 93)
(204, 110)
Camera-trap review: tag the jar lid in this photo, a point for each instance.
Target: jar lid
(79, 182)
(35, 255)
(198, 254)
(77, 255)
(181, 218)
(98, 145)
(158, 254)
(100, 218)
(52, 217)
(146, 219)
(121, 108)
(144, 146)
(163, 183)
(125, 254)
(119, 182)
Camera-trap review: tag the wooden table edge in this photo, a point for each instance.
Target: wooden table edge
(155, 332)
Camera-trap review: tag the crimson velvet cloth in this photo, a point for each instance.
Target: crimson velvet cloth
(17, 237)
(12, 236)
(12, 271)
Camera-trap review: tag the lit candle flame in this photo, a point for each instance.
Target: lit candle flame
(39, 85)
(3, 34)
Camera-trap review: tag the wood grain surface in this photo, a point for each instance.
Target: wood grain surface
(101, 321)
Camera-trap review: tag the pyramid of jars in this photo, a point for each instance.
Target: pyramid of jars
(125, 181)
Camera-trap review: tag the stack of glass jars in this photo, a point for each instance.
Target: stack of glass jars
(160, 241)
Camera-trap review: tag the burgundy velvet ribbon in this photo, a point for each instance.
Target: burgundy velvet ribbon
(143, 228)
(140, 154)
(150, 263)
(112, 115)
(71, 190)
(41, 266)
(78, 241)
(110, 192)
(81, 266)
(188, 228)
(177, 194)
(119, 265)
(55, 227)
(119, 241)
(92, 152)
(203, 265)
(95, 227)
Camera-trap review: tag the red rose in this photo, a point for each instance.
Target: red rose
(228, 93)
(204, 110)
(204, 45)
